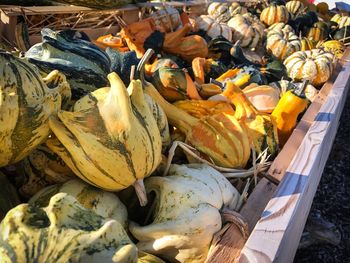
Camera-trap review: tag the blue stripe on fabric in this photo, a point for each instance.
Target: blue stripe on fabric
(324, 116)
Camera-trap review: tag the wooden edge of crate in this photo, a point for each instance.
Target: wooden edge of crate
(282, 161)
(276, 236)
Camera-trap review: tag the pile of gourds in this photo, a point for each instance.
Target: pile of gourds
(89, 130)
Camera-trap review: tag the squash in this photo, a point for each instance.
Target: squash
(319, 31)
(26, 103)
(282, 44)
(111, 41)
(205, 69)
(334, 46)
(213, 28)
(174, 84)
(247, 29)
(222, 12)
(295, 8)
(264, 98)
(100, 202)
(8, 196)
(343, 34)
(342, 20)
(274, 14)
(285, 85)
(202, 108)
(279, 27)
(97, 137)
(315, 65)
(84, 64)
(187, 212)
(307, 43)
(261, 128)
(148, 258)
(64, 231)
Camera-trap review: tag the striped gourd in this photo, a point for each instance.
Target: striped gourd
(111, 140)
(64, 231)
(285, 85)
(315, 65)
(26, 103)
(84, 64)
(295, 8)
(247, 29)
(222, 12)
(279, 27)
(274, 14)
(318, 32)
(342, 20)
(103, 203)
(214, 28)
(282, 43)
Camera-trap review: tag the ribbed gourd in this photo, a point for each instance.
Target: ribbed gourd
(187, 213)
(213, 28)
(261, 128)
(26, 103)
(274, 14)
(64, 231)
(222, 12)
(319, 31)
(84, 64)
(295, 8)
(103, 203)
(342, 20)
(111, 140)
(315, 65)
(279, 27)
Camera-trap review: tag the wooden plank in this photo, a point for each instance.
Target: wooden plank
(232, 241)
(282, 161)
(276, 236)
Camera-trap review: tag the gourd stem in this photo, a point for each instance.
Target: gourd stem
(141, 192)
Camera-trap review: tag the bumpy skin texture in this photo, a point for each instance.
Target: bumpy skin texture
(214, 28)
(111, 139)
(26, 103)
(315, 65)
(103, 203)
(64, 231)
(222, 12)
(248, 29)
(282, 43)
(274, 14)
(187, 212)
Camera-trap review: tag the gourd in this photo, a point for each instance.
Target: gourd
(222, 12)
(261, 128)
(100, 202)
(279, 27)
(295, 8)
(202, 108)
(334, 46)
(282, 43)
(26, 103)
(64, 231)
(148, 258)
(84, 64)
(264, 98)
(274, 14)
(8, 196)
(187, 213)
(205, 69)
(307, 43)
(213, 28)
(319, 31)
(303, 22)
(343, 34)
(310, 91)
(110, 128)
(342, 20)
(247, 29)
(315, 65)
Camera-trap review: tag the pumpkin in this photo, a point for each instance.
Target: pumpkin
(295, 8)
(282, 44)
(97, 137)
(84, 64)
(247, 29)
(26, 103)
(315, 65)
(64, 231)
(274, 14)
(187, 213)
(100, 202)
(222, 12)
(318, 32)
(342, 20)
(334, 46)
(8, 196)
(261, 128)
(214, 28)
(285, 85)
(279, 27)
(264, 98)
(343, 34)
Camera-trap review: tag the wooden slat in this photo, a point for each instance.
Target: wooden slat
(232, 241)
(282, 161)
(276, 236)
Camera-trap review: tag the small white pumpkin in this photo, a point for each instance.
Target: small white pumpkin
(222, 12)
(214, 28)
(279, 27)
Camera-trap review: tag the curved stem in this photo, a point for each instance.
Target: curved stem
(141, 192)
